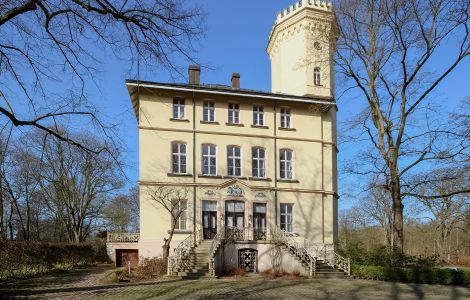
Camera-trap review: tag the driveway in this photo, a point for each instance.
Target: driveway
(85, 284)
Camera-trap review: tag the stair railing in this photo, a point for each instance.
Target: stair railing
(180, 258)
(298, 248)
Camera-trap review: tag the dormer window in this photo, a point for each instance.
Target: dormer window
(317, 76)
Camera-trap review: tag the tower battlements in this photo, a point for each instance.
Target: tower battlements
(324, 5)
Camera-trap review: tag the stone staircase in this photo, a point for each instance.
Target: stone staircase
(322, 268)
(197, 266)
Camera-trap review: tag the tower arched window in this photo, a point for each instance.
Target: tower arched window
(317, 76)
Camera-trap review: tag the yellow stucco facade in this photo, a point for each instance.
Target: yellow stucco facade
(311, 188)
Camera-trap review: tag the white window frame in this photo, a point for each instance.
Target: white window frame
(258, 115)
(209, 156)
(286, 117)
(285, 216)
(234, 113)
(257, 174)
(232, 159)
(287, 163)
(182, 222)
(317, 76)
(178, 108)
(178, 156)
(209, 107)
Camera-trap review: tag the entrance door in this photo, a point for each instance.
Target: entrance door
(209, 219)
(235, 218)
(259, 221)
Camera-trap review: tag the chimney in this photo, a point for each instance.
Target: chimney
(236, 80)
(194, 74)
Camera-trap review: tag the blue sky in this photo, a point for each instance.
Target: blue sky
(235, 41)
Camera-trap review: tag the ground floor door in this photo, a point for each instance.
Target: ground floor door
(209, 219)
(126, 256)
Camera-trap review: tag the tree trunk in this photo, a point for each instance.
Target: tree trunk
(397, 207)
(2, 226)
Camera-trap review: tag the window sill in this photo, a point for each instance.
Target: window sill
(259, 179)
(259, 126)
(209, 176)
(288, 180)
(179, 120)
(178, 175)
(287, 129)
(182, 231)
(234, 124)
(237, 177)
(209, 122)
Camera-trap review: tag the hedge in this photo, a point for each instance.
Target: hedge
(22, 259)
(415, 275)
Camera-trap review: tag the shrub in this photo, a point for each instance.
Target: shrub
(22, 259)
(416, 275)
(150, 268)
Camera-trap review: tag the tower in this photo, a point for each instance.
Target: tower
(301, 47)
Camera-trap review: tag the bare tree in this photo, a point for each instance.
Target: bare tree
(174, 200)
(378, 206)
(58, 43)
(76, 184)
(122, 212)
(386, 53)
(448, 212)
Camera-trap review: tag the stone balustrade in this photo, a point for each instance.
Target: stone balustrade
(122, 237)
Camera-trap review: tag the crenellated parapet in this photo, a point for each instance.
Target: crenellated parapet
(298, 5)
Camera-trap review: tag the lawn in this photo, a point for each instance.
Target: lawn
(84, 284)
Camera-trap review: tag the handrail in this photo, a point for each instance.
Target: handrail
(182, 252)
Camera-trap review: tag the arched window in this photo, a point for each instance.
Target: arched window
(178, 157)
(286, 164)
(258, 162)
(234, 161)
(209, 160)
(316, 76)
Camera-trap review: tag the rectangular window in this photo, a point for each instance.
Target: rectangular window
(178, 159)
(285, 118)
(208, 114)
(258, 115)
(178, 109)
(286, 221)
(179, 211)
(286, 164)
(209, 160)
(233, 113)
(234, 161)
(258, 162)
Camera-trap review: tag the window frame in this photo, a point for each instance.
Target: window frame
(285, 215)
(234, 158)
(233, 113)
(179, 155)
(317, 76)
(258, 115)
(258, 159)
(208, 159)
(179, 104)
(285, 161)
(210, 109)
(182, 222)
(285, 114)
